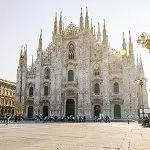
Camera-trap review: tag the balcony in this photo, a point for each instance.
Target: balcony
(70, 84)
(70, 62)
(30, 99)
(116, 98)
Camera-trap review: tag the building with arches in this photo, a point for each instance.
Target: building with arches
(80, 74)
(7, 97)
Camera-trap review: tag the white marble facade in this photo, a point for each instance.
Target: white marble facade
(80, 74)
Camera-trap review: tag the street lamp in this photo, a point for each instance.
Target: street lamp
(140, 81)
(144, 40)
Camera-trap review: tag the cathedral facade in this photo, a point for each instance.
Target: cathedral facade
(79, 74)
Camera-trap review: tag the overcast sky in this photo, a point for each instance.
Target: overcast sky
(21, 21)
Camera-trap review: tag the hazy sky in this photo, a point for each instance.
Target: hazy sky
(21, 21)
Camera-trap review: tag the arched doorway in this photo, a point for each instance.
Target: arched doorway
(97, 110)
(45, 111)
(30, 112)
(70, 107)
(117, 112)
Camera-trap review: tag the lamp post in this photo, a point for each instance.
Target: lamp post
(140, 81)
(144, 40)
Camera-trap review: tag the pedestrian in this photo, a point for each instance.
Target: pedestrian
(7, 119)
(16, 117)
(128, 119)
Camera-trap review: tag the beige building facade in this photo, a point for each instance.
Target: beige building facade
(80, 74)
(7, 97)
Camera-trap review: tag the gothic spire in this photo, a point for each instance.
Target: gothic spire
(105, 37)
(94, 32)
(40, 41)
(87, 20)
(91, 27)
(55, 24)
(25, 55)
(63, 27)
(81, 20)
(60, 23)
(130, 44)
(99, 33)
(21, 58)
(124, 43)
(32, 60)
(131, 53)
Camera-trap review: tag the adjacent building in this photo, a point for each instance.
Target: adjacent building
(80, 74)
(7, 97)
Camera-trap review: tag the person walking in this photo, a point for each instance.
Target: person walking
(128, 118)
(7, 119)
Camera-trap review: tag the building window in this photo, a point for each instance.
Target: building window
(70, 75)
(71, 51)
(96, 89)
(47, 73)
(116, 87)
(31, 91)
(45, 90)
(96, 72)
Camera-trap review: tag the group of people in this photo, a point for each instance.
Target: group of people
(145, 122)
(100, 118)
(60, 118)
(7, 117)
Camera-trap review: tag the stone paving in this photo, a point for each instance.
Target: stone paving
(74, 136)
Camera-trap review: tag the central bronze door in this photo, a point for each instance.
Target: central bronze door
(45, 111)
(70, 107)
(97, 110)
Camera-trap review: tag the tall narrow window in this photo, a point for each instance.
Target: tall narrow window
(96, 89)
(70, 75)
(45, 90)
(31, 91)
(116, 87)
(71, 51)
(47, 73)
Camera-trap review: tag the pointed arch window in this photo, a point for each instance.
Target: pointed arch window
(71, 51)
(70, 75)
(96, 89)
(31, 91)
(96, 72)
(47, 73)
(116, 87)
(45, 90)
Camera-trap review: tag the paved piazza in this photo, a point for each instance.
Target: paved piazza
(74, 136)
